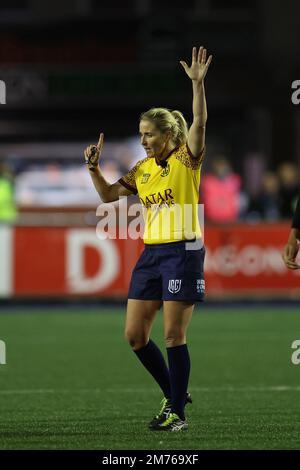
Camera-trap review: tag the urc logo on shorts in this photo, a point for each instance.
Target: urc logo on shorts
(2, 352)
(174, 286)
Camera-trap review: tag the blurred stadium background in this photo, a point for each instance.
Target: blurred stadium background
(73, 69)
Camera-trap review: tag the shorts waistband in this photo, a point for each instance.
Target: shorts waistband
(169, 244)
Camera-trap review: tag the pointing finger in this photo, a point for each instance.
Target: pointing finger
(100, 141)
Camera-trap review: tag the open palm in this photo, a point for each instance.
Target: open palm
(199, 67)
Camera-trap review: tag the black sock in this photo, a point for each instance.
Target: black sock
(152, 358)
(179, 369)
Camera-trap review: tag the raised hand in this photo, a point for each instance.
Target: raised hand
(199, 67)
(92, 154)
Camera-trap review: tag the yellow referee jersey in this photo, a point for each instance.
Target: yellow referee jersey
(168, 194)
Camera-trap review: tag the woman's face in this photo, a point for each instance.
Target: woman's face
(153, 141)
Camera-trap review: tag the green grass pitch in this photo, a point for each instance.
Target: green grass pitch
(71, 382)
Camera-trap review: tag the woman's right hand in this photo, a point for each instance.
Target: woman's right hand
(92, 154)
(289, 254)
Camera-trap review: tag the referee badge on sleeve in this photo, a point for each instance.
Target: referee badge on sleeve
(174, 286)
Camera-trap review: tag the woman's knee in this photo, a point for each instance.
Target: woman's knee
(136, 339)
(175, 338)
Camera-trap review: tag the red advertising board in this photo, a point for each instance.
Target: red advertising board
(241, 260)
(59, 261)
(246, 259)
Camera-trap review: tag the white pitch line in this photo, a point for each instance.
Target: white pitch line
(278, 388)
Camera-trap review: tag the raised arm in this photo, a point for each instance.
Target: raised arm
(196, 72)
(107, 192)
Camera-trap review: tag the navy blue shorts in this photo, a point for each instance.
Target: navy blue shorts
(169, 271)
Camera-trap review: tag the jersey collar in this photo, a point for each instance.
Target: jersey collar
(158, 162)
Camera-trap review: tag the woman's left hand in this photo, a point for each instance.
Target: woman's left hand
(199, 67)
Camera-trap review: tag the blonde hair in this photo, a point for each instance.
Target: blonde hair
(166, 120)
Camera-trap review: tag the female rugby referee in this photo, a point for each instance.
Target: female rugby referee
(166, 273)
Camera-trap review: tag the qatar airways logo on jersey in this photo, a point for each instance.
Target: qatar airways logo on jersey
(179, 222)
(164, 197)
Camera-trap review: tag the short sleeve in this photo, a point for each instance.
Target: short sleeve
(197, 157)
(185, 156)
(129, 180)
